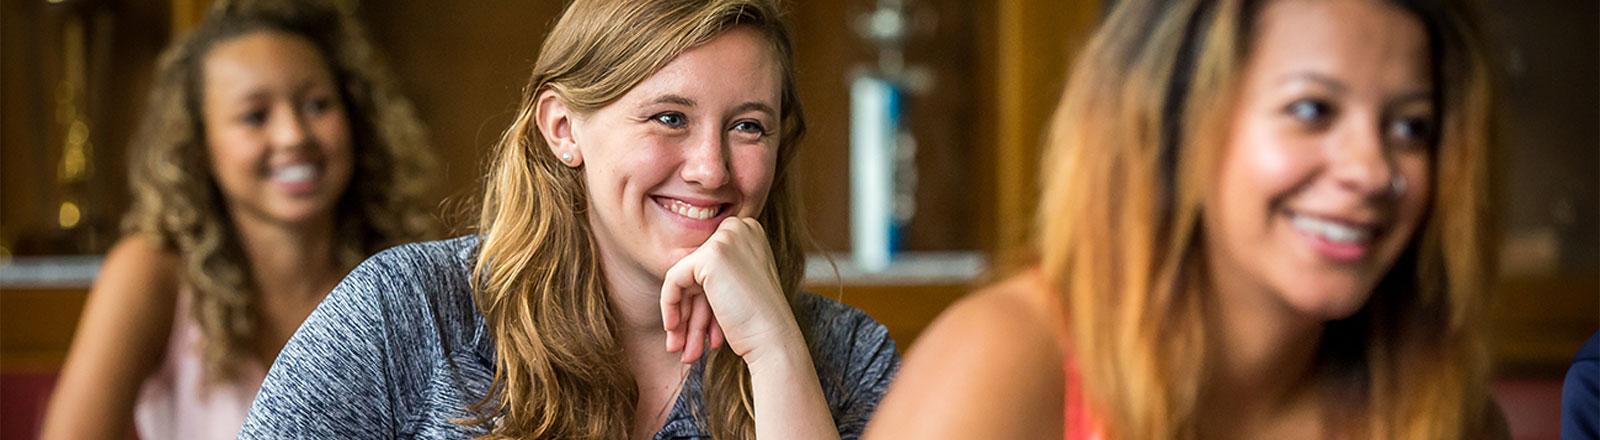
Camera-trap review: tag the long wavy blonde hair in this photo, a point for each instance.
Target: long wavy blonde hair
(176, 199)
(1146, 112)
(560, 371)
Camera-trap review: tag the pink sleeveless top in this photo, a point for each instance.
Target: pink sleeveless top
(175, 403)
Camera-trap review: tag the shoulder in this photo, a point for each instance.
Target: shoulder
(411, 274)
(845, 339)
(138, 277)
(988, 366)
(828, 317)
(413, 298)
(397, 347)
(1014, 320)
(141, 259)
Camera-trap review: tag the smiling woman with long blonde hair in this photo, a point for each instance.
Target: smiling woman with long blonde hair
(636, 273)
(1260, 219)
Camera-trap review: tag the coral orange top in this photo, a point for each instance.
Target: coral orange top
(1080, 422)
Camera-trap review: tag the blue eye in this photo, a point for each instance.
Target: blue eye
(1310, 111)
(751, 127)
(671, 119)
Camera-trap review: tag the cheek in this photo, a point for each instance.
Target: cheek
(1419, 188)
(234, 155)
(333, 134)
(1270, 161)
(754, 170)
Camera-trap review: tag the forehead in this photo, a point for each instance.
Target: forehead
(1355, 39)
(736, 66)
(263, 58)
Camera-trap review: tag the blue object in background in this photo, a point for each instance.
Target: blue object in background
(1580, 395)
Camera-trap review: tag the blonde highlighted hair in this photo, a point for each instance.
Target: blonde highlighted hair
(176, 199)
(560, 371)
(1145, 112)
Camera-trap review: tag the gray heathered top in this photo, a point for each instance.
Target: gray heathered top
(398, 350)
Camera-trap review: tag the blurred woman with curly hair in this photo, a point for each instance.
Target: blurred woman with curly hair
(274, 155)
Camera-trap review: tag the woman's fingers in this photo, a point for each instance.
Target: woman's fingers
(699, 321)
(679, 283)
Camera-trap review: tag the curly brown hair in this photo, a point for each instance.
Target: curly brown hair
(176, 199)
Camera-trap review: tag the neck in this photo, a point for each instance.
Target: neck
(289, 260)
(635, 298)
(1263, 362)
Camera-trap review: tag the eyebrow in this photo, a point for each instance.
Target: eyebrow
(1326, 81)
(1339, 87)
(686, 102)
(757, 106)
(674, 99)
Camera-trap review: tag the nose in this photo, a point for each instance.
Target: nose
(289, 130)
(1361, 162)
(705, 161)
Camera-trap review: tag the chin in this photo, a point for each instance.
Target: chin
(1331, 301)
(1332, 306)
(302, 213)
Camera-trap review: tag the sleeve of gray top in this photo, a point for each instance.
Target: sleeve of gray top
(873, 363)
(330, 381)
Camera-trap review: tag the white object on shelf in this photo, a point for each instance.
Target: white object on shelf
(910, 268)
(874, 127)
(49, 272)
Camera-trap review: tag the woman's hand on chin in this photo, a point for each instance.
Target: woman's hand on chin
(728, 291)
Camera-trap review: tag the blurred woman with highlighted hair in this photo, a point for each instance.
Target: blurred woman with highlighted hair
(1260, 219)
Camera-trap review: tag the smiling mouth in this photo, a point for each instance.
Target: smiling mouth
(301, 173)
(691, 211)
(1333, 230)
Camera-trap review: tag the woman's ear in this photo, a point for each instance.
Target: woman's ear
(555, 124)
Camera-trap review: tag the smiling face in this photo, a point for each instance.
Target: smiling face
(275, 127)
(1325, 175)
(694, 143)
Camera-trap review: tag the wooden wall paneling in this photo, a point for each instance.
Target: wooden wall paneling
(463, 65)
(944, 42)
(1537, 324)
(1034, 41)
(826, 51)
(37, 328)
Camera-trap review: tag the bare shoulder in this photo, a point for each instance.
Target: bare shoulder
(1011, 319)
(138, 278)
(990, 366)
(121, 337)
(140, 258)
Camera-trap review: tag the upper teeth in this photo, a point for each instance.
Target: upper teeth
(1333, 231)
(294, 173)
(695, 212)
